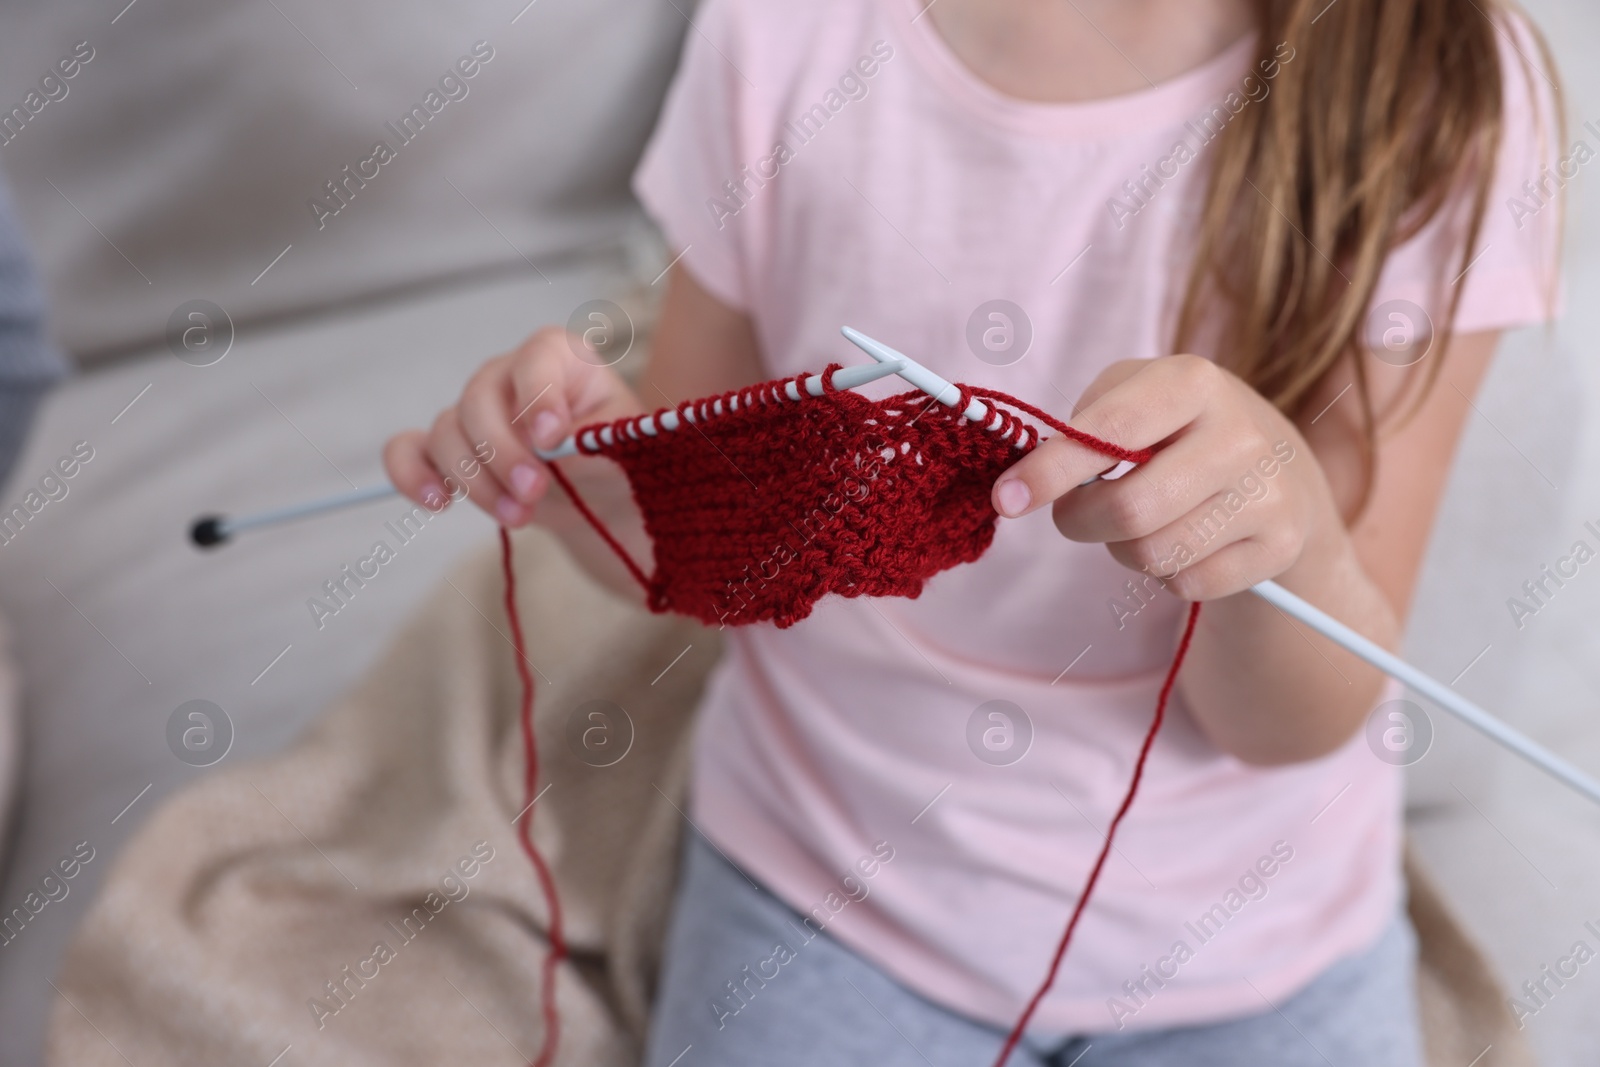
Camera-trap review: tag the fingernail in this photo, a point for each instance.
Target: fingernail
(433, 497)
(547, 429)
(1014, 497)
(524, 479)
(509, 511)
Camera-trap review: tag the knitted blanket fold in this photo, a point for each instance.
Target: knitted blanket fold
(246, 917)
(363, 896)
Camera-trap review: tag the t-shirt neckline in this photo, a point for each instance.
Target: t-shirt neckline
(1166, 103)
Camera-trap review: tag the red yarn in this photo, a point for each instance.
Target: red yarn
(547, 883)
(764, 505)
(1105, 849)
(835, 494)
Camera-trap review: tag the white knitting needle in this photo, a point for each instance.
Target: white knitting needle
(209, 531)
(1275, 594)
(1436, 691)
(925, 379)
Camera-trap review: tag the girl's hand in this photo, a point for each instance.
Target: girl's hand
(482, 447)
(1234, 495)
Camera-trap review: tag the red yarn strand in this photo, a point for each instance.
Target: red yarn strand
(1105, 850)
(547, 883)
(599, 527)
(1131, 455)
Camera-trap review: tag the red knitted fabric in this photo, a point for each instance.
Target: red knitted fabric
(765, 505)
(759, 505)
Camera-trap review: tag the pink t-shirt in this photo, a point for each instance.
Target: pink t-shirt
(832, 163)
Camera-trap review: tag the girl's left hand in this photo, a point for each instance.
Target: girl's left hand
(1233, 496)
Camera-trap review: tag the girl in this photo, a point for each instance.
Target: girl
(1266, 239)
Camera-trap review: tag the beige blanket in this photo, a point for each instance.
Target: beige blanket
(362, 898)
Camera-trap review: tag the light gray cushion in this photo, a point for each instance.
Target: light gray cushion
(183, 154)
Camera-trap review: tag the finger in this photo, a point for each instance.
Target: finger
(1114, 375)
(485, 417)
(1183, 475)
(1229, 570)
(1140, 412)
(540, 388)
(405, 457)
(1206, 532)
(450, 453)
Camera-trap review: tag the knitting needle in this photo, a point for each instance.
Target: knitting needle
(1441, 694)
(843, 378)
(924, 379)
(209, 531)
(1323, 623)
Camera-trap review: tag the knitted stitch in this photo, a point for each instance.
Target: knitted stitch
(759, 505)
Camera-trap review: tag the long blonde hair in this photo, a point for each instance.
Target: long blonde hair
(1389, 111)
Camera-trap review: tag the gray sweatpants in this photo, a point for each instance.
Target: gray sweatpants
(831, 1008)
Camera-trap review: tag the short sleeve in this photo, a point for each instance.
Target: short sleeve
(692, 178)
(1511, 277)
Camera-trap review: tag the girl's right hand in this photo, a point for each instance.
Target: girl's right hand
(482, 447)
